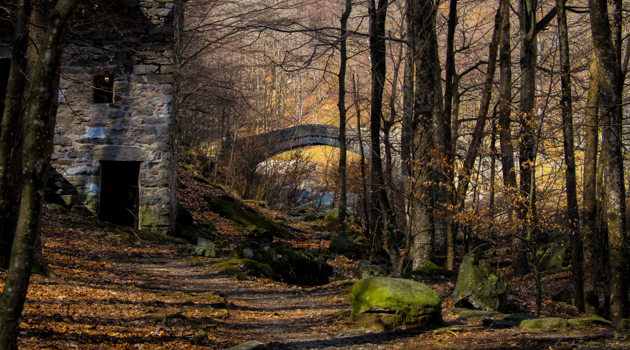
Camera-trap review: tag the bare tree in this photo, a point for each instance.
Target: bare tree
(610, 106)
(37, 148)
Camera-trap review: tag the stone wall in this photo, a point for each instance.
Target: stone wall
(137, 125)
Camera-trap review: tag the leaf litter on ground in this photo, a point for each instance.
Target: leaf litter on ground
(114, 291)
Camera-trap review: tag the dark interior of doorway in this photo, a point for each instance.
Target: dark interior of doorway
(119, 201)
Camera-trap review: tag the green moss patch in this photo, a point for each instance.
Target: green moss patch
(255, 268)
(591, 320)
(201, 179)
(228, 267)
(302, 268)
(544, 323)
(429, 269)
(245, 216)
(381, 302)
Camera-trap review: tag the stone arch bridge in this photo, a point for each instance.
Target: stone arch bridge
(257, 148)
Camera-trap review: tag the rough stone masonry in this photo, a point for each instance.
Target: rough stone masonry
(117, 112)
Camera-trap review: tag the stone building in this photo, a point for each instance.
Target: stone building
(114, 145)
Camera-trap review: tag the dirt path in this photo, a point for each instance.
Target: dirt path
(113, 293)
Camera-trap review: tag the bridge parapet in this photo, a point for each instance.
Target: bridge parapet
(257, 148)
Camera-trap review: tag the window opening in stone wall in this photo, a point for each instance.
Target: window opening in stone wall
(104, 89)
(5, 65)
(120, 196)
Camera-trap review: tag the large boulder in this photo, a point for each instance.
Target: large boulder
(331, 219)
(245, 216)
(591, 320)
(429, 269)
(385, 303)
(548, 323)
(554, 256)
(344, 246)
(205, 248)
(478, 287)
(302, 268)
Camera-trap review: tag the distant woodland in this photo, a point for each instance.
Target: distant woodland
(494, 124)
(491, 123)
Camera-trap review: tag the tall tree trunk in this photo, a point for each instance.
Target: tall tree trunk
(8, 130)
(592, 239)
(389, 123)
(569, 157)
(527, 143)
(440, 168)
(493, 165)
(378, 69)
(408, 131)
(362, 165)
(343, 199)
(37, 150)
(448, 108)
(505, 110)
(610, 104)
(425, 43)
(381, 214)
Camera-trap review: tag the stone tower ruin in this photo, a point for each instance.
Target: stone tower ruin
(114, 144)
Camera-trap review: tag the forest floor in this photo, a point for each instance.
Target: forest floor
(114, 291)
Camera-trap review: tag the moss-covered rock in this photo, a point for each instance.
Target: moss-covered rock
(363, 269)
(591, 320)
(205, 248)
(245, 216)
(235, 253)
(478, 287)
(310, 217)
(344, 246)
(623, 324)
(201, 179)
(474, 315)
(186, 228)
(228, 267)
(385, 303)
(201, 336)
(250, 345)
(302, 268)
(429, 269)
(57, 208)
(208, 226)
(360, 239)
(81, 210)
(567, 308)
(546, 323)
(258, 269)
(514, 320)
(331, 219)
(554, 256)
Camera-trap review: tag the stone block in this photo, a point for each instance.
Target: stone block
(160, 12)
(120, 153)
(142, 69)
(62, 141)
(166, 29)
(83, 170)
(68, 199)
(154, 201)
(154, 79)
(162, 99)
(167, 69)
(154, 216)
